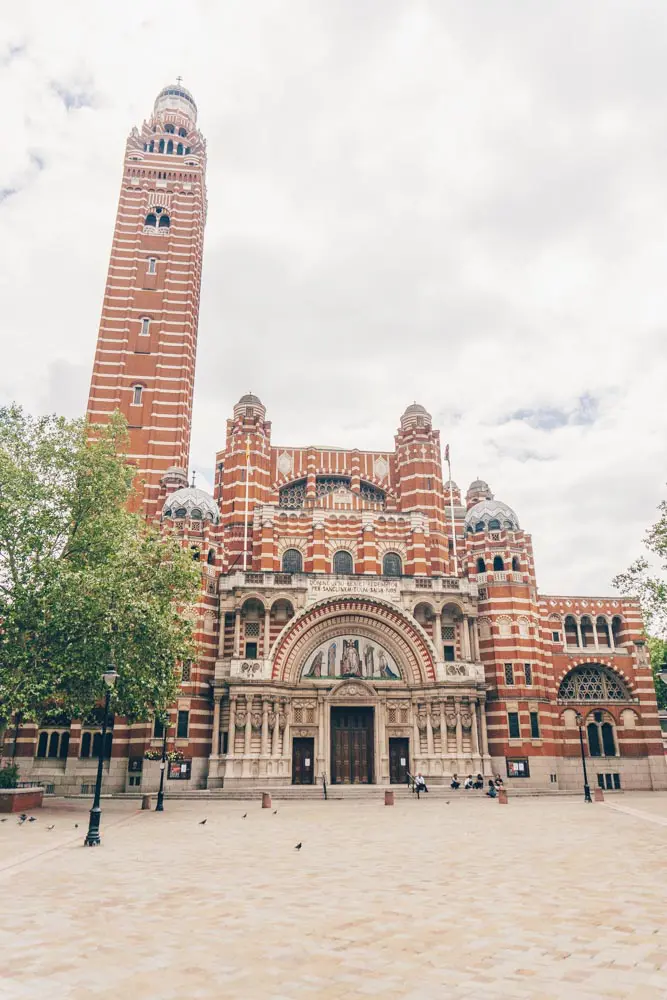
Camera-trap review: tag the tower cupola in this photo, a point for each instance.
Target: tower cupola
(175, 98)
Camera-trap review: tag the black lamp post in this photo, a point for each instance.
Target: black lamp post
(163, 763)
(93, 836)
(587, 787)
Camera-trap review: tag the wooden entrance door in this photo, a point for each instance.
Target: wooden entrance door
(303, 760)
(399, 759)
(351, 746)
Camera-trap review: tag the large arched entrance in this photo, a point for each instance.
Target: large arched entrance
(354, 665)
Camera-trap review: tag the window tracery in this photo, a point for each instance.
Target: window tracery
(592, 684)
(293, 495)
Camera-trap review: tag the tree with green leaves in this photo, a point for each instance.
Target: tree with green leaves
(646, 580)
(84, 583)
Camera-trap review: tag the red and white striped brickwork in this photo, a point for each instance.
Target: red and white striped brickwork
(147, 342)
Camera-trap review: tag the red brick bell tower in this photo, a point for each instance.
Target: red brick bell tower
(147, 341)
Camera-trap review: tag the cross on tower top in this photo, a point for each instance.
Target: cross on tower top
(179, 79)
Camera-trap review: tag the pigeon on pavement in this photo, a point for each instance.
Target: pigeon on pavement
(244, 816)
(297, 847)
(202, 821)
(33, 819)
(51, 827)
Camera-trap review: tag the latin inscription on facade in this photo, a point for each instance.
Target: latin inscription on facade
(390, 591)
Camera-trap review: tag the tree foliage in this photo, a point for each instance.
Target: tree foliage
(84, 583)
(650, 586)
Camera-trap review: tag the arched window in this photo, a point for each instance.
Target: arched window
(498, 563)
(187, 151)
(181, 512)
(195, 514)
(292, 561)
(151, 146)
(293, 495)
(161, 147)
(145, 326)
(608, 741)
(64, 745)
(42, 744)
(85, 744)
(594, 748)
(196, 554)
(179, 149)
(152, 265)
(516, 565)
(602, 626)
(210, 558)
(480, 526)
(170, 147)
(494, 525)
(54, 744)
(165, 222)
(342, 564)
(182, 131)
(170, 129)
(391, 564)
(137, 391)
(592, 683)
(616, 629)
(481, 565)
(150, 220)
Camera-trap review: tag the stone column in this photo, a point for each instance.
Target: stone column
(437, 637)
(459, 729)
(474, 734)
(472, 626)
(284, 707)
(248, 725)
(265, 727)
(416, 737)
(612, 643)
(215, 735)
(237, 633)
(275, 735)
(579, 638)
(429, 731)
(465, 638)
(231, 736)
(443, 731)
(267, 632)
(485, 737)
(594, 623)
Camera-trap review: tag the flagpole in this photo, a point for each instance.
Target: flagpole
(247, 500)
(451, 511)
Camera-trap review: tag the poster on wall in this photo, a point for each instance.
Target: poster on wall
(517, 767)
(179, 770)
(351, 656)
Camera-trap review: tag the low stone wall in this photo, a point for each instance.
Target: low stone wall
(18, 800)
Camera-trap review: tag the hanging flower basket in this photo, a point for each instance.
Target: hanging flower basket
(155, 753)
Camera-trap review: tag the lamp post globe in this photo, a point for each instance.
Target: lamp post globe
(109, 678)
(587, 787)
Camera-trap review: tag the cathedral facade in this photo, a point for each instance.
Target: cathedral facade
(361, 618)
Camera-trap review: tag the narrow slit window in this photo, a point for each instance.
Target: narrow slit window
(152, 265)
(145, 326)
(137, 392)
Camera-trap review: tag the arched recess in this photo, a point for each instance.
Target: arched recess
(380, 621)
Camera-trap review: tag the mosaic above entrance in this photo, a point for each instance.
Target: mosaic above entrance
(351, 656)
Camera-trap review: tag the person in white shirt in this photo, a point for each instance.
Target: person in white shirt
(420, 784)
(468, 783)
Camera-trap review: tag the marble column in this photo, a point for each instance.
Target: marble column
(443, 730)
(612, 643)
(275, 735)
(267, 632)
(265, 727)
(215, 735)
(580, 642)
(429, 732)
(237, 633)
(231, 736)
(248, 726)
(474, 734)
(416, 737)
(459, 729)
(485, 736)
(596, 639)
(437, 637)
(466, 638)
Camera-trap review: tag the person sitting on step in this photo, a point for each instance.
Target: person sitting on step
(468, 783)
(455, 782)
(420, 784)
(492, 793)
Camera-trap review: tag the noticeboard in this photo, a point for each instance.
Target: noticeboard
(517, 767)
(179, 770)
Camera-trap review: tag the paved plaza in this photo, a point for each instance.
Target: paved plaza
(544, 898)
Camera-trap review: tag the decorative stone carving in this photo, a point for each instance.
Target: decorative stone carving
(250, 669)
(282, 720)
(256, 720)
(241, 716)
(421, 721)
(272, 721)
(466, 719)
(451, 720)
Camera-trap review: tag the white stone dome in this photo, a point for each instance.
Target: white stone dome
(415, 415)
(191, 502)
(491, 515)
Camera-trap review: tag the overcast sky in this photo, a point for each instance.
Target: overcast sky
(460, 203)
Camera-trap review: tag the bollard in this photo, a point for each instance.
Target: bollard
(598, 795)
(145, 801)
(502, 797)
(266, 800)
(389, 797)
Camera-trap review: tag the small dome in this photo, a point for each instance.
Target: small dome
(478, 490)
(491, 515)
(250, 405)
(175, 97)
(192, 502)
(415, 415)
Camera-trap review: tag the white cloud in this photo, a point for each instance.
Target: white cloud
(458, 203)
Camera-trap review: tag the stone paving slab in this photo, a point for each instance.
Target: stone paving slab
(541, 899)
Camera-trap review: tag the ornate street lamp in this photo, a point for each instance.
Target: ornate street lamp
(93, 836)
(163, 763)
(587, 787)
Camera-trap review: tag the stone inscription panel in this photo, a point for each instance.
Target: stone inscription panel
(331, 586)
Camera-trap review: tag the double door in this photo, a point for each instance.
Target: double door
(351, 746)
(303, 760)
(399, 759)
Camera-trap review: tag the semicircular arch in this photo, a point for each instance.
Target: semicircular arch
(374, 619)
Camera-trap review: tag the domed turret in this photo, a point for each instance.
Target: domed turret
(250, 405)
(491, 515)
(478, 490)
(191, 502)
(416, 415)
(176, 97)
(450, 487)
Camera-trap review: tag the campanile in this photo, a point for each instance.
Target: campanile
(147, 341)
